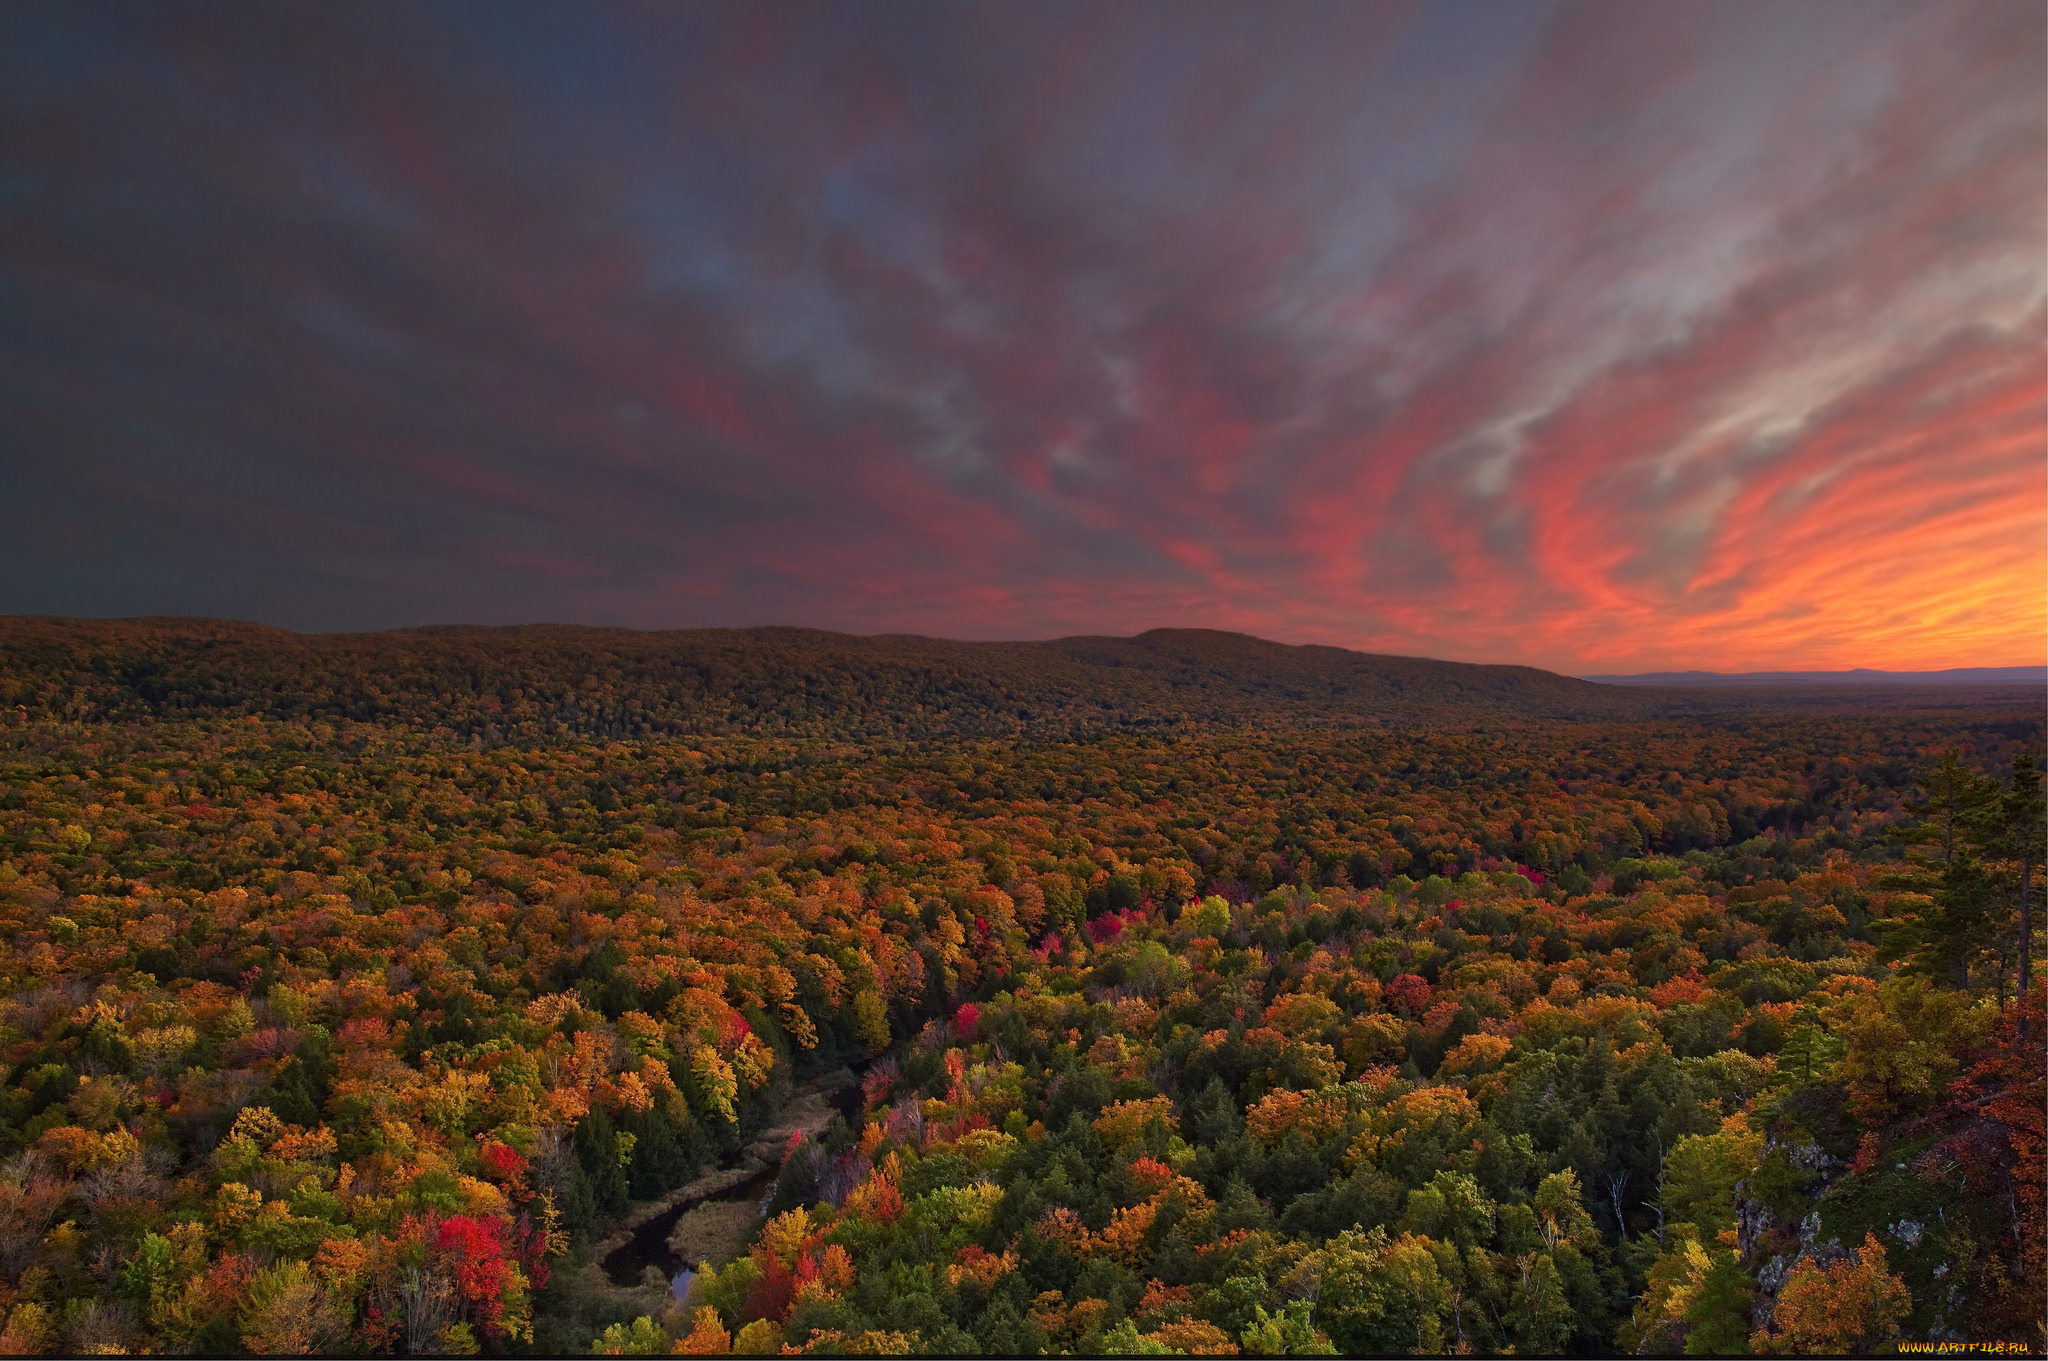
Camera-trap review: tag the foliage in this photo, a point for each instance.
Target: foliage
(1850, 1305)
(347, 986)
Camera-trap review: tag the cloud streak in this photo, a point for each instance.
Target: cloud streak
(1598, 337)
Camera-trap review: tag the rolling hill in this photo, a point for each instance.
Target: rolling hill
(1956, 675)
(548, 680)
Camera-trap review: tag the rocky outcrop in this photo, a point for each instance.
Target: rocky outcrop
(1759, 1230)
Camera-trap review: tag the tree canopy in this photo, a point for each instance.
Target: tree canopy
(334, 1023)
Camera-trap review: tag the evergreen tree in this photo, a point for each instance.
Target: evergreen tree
(1718, 1317)
(2024, 819)
(1959, 811)
(1952, 918)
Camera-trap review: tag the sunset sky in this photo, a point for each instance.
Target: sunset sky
(1602, 338)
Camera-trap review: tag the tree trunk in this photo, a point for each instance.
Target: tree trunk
(2026, 936)
(1658, 1203)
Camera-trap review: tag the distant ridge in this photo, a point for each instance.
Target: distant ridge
(565, 683)
(558, 681)
(1958, 675)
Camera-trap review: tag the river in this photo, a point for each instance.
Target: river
(712, 1218)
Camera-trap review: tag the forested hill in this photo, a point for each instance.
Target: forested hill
(367, 993)
(543, 681)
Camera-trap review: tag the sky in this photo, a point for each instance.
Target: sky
(1595, 337)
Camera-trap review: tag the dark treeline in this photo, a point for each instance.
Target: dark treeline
(543, 683)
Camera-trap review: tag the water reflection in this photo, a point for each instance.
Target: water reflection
(648, 1244)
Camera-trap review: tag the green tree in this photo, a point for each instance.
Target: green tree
(1126, 1340)
(1380, 1296)
(642, 1337)
(1959, 822)
(2023, 832)
(1958, 811)
(1718, 1317)
(1291, 1332)
(870, 1021)
(1451, 1209)
(1899, 1045)
(1538, 1313)
(1808, 1051)
(1561, 1215)
(1965, 924)
(1700, 1174)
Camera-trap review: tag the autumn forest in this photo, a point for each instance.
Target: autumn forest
(544, 991)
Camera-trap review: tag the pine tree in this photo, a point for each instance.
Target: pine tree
(1965, 922)
(1719, 1314)
(1954, 918)
(1959, 809)
(2024, 818)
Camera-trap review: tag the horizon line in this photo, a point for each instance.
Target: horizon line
(1594, 677)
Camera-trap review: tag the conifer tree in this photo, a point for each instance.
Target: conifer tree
(2025, 824)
